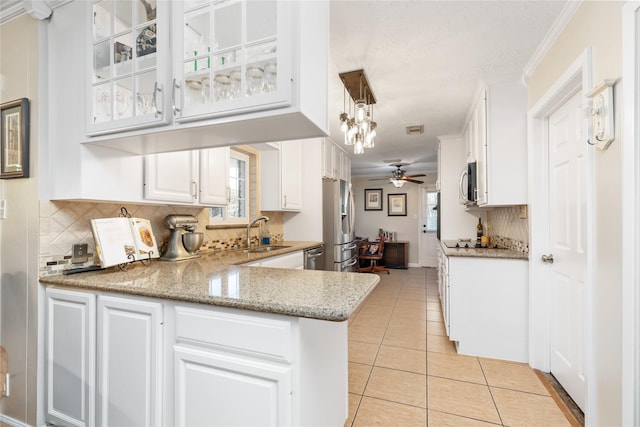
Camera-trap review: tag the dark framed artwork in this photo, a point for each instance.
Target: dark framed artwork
(373, 199)
(397, 204)
(14, 139)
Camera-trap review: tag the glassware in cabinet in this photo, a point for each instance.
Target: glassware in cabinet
(126, 69)
(230, 57)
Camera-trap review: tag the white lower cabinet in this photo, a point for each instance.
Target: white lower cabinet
(488, 307)
(70, 357)
(218, 389)
(129, 362)
(114, 360)
(103, 366)
(291, 260)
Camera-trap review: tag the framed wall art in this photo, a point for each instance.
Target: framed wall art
(14, 139)
(397, 204)
(373, 199)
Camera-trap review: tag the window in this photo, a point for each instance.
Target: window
(237, 212)
(431, 214)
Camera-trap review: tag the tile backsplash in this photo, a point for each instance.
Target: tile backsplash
(508, 229)
(63, 223)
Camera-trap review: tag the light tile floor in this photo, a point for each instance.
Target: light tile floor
(404, 371)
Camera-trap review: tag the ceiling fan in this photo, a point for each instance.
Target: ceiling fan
(398, 177)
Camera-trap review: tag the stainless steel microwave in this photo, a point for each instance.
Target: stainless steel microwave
(469, 184)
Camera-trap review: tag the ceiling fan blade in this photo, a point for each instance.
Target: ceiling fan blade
(415, 181)
(415, 176)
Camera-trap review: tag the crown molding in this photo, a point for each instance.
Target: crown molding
(552, 35)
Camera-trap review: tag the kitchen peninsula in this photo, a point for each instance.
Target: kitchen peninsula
(202, 342)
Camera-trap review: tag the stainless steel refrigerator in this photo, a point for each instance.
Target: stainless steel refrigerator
(338, 226)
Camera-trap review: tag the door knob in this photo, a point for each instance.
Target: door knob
(547, 258)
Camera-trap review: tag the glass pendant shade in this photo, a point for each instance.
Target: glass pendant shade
(360, 112)
(358, 147)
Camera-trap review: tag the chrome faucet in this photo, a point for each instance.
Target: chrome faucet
(260, 218)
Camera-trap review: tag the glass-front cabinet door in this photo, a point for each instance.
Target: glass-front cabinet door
(231, 56)
(129, 65)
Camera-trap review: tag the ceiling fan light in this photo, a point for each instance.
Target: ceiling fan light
(397, 182)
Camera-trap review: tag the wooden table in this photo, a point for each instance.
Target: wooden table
(396, 254)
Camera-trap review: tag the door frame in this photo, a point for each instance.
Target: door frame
(576, 78)
(423, 201)
(630, 159)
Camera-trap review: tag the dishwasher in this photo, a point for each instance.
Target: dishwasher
(314, 258)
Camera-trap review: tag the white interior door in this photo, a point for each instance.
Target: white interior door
(428, 240)
(568, 239)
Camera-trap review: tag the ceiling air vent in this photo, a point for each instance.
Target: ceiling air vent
(415, 129)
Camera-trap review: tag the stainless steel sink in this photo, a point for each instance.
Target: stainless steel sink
(268, 248)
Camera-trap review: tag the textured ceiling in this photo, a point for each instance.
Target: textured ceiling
(424, 61)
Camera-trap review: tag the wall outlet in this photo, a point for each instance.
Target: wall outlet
(6, 390)
(3, 209)
(79, 253)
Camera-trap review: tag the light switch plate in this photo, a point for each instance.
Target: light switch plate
(79, 253)
(3, 209)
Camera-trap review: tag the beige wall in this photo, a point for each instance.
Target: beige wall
(19, 239)
(598, 25)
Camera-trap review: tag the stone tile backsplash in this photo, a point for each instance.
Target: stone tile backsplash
(63, 223)
(508, 229)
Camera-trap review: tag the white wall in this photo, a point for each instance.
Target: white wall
(598, 25)
(19, 232)
(406, 227)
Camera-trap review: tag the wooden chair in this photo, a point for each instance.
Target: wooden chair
(374, 253)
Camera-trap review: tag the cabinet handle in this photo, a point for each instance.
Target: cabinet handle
(228, 195)
(174, 86)
(156, 88)
(194, 185)
(285, 200)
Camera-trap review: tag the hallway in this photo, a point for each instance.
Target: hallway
(404, 371)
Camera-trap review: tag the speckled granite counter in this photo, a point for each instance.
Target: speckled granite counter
(483, 253)
(218, 279)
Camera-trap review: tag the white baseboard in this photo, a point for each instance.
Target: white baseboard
(11, 422)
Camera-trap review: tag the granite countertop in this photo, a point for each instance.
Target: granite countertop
(484, 253)
(219, 279)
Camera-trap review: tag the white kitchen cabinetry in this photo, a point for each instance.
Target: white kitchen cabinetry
(329, 164)
(281, 177)
(336, 164)
(129, 62)
(207, 365)
(197, 177)
(499, 141)
(291, 260)
(70, 362)
(443, 287)
(213, 367)
(234, 66)
(488, 306)
(129, 362)
(103, 367)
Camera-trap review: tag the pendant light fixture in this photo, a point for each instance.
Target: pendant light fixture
(359, 129)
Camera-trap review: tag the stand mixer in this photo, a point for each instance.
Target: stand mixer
(183, 243)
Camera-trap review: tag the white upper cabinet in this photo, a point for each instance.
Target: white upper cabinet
(129, 65)
(281, 177)
(498, 143)
(246, 70)
(328, 159)
(231, 57)
(197, 177)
